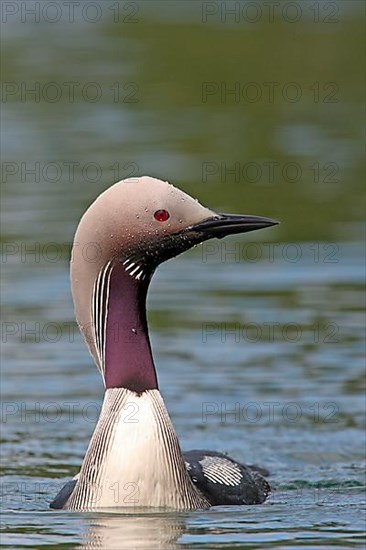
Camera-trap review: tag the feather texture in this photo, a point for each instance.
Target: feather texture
(134, 458)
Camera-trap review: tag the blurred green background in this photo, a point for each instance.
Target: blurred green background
(160, 104)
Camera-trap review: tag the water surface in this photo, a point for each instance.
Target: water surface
(258, 340)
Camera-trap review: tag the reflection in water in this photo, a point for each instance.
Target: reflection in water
(127, 531)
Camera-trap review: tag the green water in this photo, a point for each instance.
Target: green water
(258, 341)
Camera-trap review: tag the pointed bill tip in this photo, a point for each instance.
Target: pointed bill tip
(228, 224)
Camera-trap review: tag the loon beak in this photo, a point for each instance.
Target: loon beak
(228, 224)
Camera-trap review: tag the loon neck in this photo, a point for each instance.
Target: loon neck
(127, 354)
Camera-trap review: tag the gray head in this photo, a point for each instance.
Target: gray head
(124, 235)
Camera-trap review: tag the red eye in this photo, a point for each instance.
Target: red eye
(162, 215)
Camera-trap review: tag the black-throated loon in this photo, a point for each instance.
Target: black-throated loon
(134, 226)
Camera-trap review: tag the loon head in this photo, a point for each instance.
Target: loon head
(129, 230)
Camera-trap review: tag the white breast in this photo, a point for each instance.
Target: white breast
(134, 458)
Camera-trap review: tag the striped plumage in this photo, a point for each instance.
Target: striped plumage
(225, 481)
(100, 300)
(134, 458)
